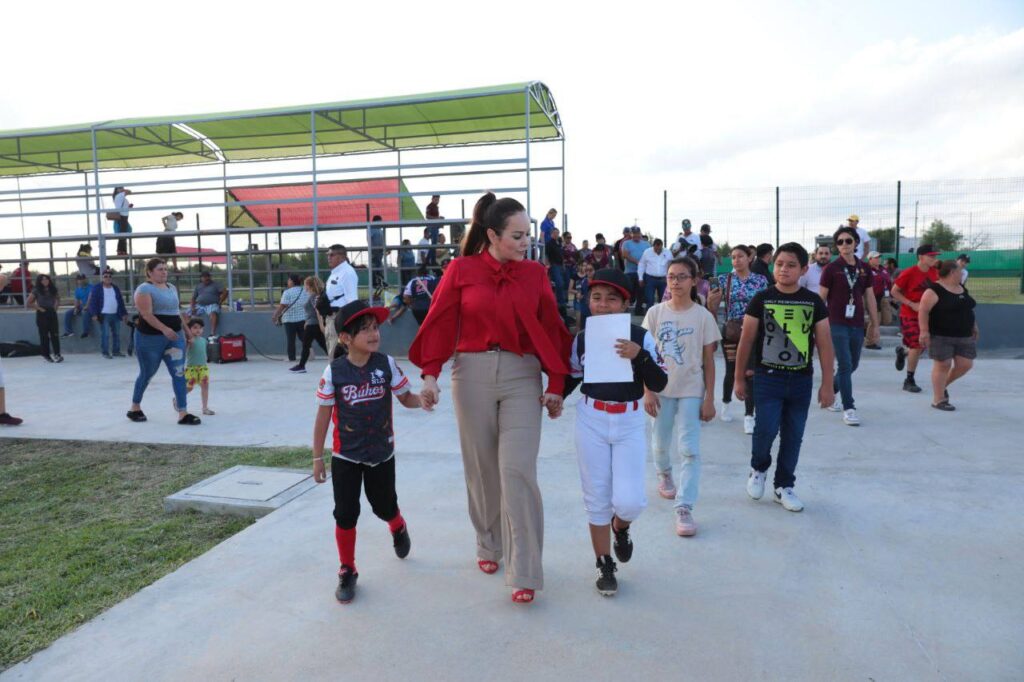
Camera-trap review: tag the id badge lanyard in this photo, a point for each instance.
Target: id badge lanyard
(851, 307)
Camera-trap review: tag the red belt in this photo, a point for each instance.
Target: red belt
(613, 408)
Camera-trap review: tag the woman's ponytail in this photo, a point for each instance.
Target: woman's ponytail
(489, 213)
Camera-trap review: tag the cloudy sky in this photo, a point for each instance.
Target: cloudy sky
(676, 96)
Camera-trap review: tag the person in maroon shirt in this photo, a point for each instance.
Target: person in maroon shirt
(497, 313)
(846, 288)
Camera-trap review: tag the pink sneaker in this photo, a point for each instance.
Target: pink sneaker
(685, 525)
(666, 487)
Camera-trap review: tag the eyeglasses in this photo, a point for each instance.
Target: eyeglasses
(840, 242)
(679, 278)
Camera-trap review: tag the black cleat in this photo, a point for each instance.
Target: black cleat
(346, 591)
(911, 386)
(901, 358)
(606, 584)
(623, 546)
(402, 542)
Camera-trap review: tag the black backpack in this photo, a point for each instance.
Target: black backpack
(20, 349)
(323, 305)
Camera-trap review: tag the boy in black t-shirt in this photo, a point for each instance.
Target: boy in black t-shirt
(783, 324)
(355, 393)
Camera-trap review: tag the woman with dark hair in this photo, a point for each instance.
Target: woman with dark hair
(497, 313)
(46, 299)
(948, 330)
(739, 286)
(291, 312)
(160, 337)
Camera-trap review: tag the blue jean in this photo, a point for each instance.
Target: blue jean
(110, 326)
(151, 350)
(654, 290)
(682, 414)
(782, 400)
(69, 321)
(848, 342)
(560, 284)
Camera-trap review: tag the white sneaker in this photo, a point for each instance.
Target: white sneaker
(788, 499)
(725, 416)
(755, 484)
(748, 425)
(837, 406)
(850, 418)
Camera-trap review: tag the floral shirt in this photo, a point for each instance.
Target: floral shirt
(742, 292)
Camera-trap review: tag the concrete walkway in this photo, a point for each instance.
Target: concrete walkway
(908, 563)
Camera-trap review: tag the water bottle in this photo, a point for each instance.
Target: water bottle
(238, 305)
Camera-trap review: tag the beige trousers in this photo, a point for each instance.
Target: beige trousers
(497, 404)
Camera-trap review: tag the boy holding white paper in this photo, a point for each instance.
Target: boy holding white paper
(611, 445)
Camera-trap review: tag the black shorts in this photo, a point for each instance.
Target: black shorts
(944, 348)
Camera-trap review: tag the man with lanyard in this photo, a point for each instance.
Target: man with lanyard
(342, 289)
(907, 291)
(846, 289)
(810, 279)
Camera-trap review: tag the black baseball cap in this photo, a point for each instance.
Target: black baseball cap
(964, 257)
(927, 250)
(625, 230)
(356, 309)
(634, 229)
(614, 278)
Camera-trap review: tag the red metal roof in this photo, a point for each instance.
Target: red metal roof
(328, 211)
(191, 252)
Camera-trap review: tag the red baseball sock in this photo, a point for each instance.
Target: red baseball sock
(396, 523)
(346, 539)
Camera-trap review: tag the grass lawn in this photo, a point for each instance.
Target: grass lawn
(84, 527)
(995, 289)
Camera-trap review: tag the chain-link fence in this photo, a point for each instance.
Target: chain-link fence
(982, 218)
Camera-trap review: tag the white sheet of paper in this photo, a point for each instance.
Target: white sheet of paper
(602, 364)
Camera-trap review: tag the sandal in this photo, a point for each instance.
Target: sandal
(136, 415)
(190, 420)
(523, 596)
(488, 567)
(207, 410)
(944, 406)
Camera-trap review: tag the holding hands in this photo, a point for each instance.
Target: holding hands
(429, 394)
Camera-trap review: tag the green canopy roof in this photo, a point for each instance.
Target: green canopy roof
(460, 117)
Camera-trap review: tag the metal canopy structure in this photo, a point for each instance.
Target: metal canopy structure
(476, 116)
(100, 153)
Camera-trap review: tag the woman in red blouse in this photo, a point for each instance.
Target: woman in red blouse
(496, 312)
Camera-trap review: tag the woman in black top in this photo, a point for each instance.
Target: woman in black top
(45, 298)
(948, 330)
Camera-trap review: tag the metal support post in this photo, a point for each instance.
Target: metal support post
(49, 233)
(664, 217)
(777, 230)
(227, 237)
(899, 202)
(88, 218)
(316, 234)
(99, 213)
(565, 216)
(529, 212)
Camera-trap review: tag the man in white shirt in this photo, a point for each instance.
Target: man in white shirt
(342, 288)
(811, 280)
(651, 272)
(122, 226)
(423, 253)
(864, 247)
